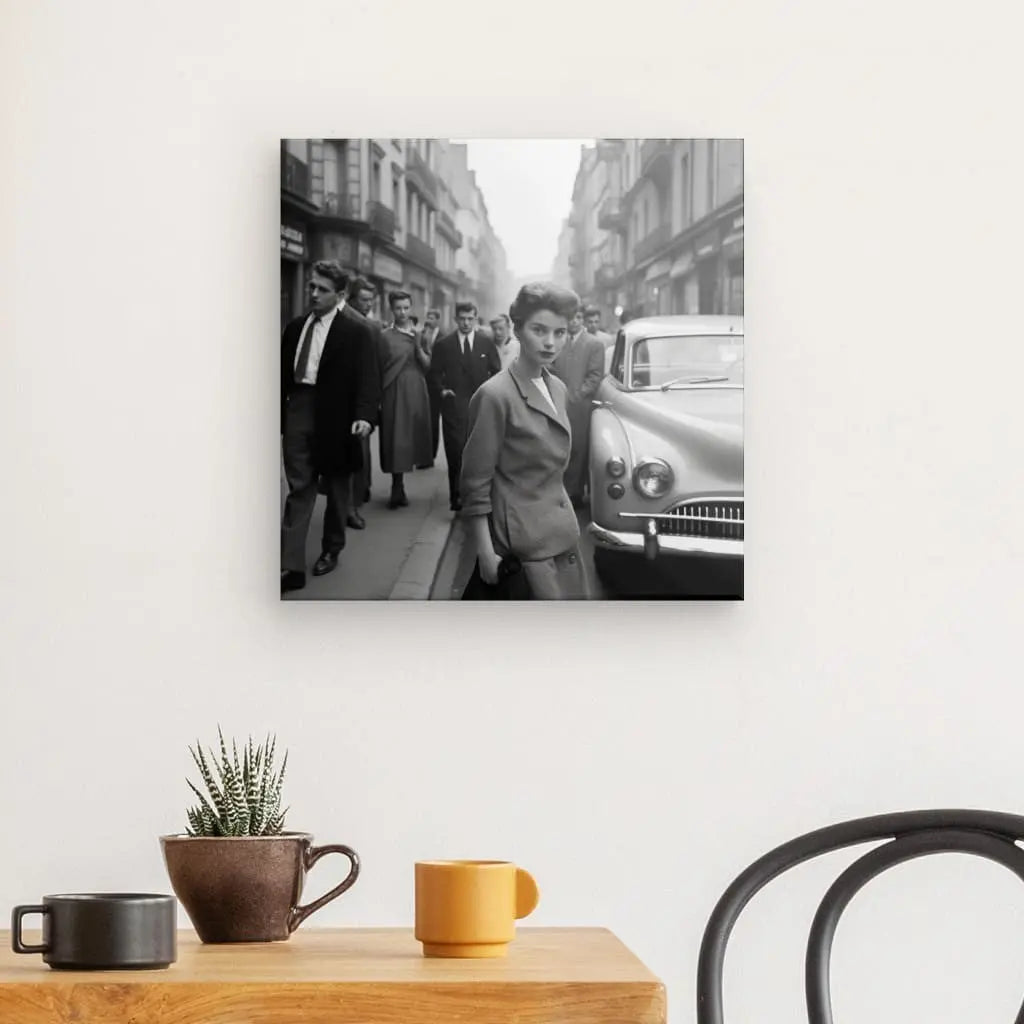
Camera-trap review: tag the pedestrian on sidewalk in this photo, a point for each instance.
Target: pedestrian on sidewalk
(516, 454)
(460, 363)
(363, 296)
(504, 340)
(428, 337)
(330, 391)
(580, 366)
(405, 402)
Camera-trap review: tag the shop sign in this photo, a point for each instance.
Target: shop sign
(293, 241)
(387, 268)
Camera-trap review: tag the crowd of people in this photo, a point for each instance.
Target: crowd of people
(509, 399)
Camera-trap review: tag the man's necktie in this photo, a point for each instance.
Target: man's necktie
(302, 363)
(467, 352)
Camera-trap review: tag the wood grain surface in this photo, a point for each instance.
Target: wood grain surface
(347, 976)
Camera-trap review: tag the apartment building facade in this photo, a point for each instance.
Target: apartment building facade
(382, 207)
(658, 226)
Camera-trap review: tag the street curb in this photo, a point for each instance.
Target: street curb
(416, 577)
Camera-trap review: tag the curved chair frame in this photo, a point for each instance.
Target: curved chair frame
(989, 834)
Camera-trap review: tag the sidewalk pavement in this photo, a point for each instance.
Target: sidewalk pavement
(397, 555)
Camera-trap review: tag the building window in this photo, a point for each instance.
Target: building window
(687, 187)
(376, 180)
(395, 199)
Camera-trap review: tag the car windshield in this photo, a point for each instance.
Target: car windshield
(688, 361)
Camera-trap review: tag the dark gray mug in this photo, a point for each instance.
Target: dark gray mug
(102, 931)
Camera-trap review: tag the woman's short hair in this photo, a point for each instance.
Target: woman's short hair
(540, 295)
(397, 297)
(465, 307)
(333, 271)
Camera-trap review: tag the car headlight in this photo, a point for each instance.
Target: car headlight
(653, 478)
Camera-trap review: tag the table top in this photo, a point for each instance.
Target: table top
(344, 976)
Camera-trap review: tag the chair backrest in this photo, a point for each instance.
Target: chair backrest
(989, 834)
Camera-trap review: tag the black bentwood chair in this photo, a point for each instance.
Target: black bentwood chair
(989, 834)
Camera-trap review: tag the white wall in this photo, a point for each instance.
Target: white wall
(635, 758)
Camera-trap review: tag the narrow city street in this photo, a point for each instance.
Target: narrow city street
(397, 554)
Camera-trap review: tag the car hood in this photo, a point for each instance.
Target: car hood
(708, 421)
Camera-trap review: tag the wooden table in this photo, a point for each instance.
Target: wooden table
(347, 976)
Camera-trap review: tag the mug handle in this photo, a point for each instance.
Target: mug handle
(17, 914)
(310, 856)
(527, 894)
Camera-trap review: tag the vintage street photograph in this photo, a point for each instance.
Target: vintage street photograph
(512, 369)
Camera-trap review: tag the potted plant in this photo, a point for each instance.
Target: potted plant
(238, 874)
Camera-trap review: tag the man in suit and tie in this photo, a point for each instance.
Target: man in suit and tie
(460, 363)
(330, 392)
(580, 367)
(427, 339)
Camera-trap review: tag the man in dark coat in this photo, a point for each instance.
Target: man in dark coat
(580, 366)
(330, 392)
(459, 364)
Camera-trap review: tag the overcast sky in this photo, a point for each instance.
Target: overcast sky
(527, 185)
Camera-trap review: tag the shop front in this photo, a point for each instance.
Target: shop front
(387, 275)
(419, 289)
(294, 254)
(684, 284)
(706, 258)
(333, 245)
(658, 289)
(732, 265)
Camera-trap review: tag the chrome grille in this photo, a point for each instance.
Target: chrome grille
(719, 520)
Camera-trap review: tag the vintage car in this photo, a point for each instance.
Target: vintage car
(666, 442)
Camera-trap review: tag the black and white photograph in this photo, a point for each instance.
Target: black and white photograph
(512, 369)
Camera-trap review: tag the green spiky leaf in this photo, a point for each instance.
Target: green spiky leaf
(243, 789)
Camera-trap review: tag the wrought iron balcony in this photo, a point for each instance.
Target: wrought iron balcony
(341, 205)
(420, 251)
(294, 175)
(381, 219)
(419, 173)
(656, 240)
(446, 226)
(612, 215)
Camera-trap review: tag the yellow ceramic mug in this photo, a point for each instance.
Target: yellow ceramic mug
(469, 908)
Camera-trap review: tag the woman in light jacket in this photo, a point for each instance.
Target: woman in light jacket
(516, 452)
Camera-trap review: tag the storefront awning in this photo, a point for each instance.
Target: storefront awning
(732, 246)
(657, 269)
(681, 265)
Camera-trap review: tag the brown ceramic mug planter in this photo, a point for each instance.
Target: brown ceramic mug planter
(247, 888)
